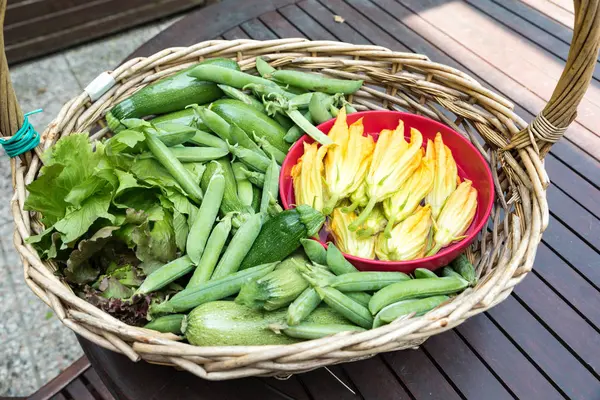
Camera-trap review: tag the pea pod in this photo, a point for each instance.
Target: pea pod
(415, 288)
(309, 331)
(165, 275)
(256, 178)
(421, 273)
(236, 79)
(462, 265)
(239, 246)
(202, 138)
(314, 251)
(187, 116)
(212, 251)
(301, 100)
(192, 154)
(264, 69)
(337, 262)
(295, 133)
(349, 108)
(230, 133)
(174, 134)
(366, 281)
(316, 82)
(405, 307)
(449, 272)
(269, 149)
(251, 121)
(167, 324)
(216, 289)
(166, 158)
(319, 107)
(243, 97)
(250, 158)
(271, 187)
(347, 307)
(244, 186)
(256, 195)
(360, 297)
(205, 217)
(304, 304)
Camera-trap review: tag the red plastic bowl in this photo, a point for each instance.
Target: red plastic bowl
(471, 165)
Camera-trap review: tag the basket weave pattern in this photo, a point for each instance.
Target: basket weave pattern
(503, 254)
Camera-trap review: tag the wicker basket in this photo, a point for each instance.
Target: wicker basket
(503, 254)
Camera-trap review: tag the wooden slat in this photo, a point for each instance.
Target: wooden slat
(568, 181)
(304, 23)
(578, 254)
(279, 25)
(512, 366)
(93, 29)
(96, 383)
(467, 372)
(573, 215)
(343, 32)
(291, 387)
(385, 387)
(78, 390)
(58, 396)
(257, 30)
(537, 18)
(483, 71)
(569, 284)
(522, 62)
(235, 33)
(420, 375)
(561, 319)
(322, 385)
(545, 350)
(214, 20)
(526, 30)
(44, 24)
(58, 383)
(552, 11)
(18, 11)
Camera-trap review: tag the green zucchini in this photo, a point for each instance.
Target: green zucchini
(281, 235)
(168, 94)
(251, 121)
(226, 323)
(187, 116)
(231, 202)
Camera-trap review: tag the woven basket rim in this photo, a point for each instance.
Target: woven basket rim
(411, 81)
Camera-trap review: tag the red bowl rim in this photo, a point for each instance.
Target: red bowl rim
(446, 250)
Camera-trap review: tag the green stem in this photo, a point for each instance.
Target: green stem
(363, 215)
(434, 250)
(388, 228)
(309, 128)
(330, 205)
(351, 207)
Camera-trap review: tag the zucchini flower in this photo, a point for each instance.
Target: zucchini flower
(445, 174)
(307, 176)
(347, 160)
(406, 200)
(374, 224)
(394, 160)
(348, 241)
(408, 239)
(455, 217)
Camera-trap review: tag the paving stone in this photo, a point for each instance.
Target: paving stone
(17, 374)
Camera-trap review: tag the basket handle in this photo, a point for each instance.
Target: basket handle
(11, 116)
(549, 126)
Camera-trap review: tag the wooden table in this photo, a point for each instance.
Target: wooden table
(543, 342)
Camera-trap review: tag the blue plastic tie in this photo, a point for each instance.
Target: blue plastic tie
(24, 140)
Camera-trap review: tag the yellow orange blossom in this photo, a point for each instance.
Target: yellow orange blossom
(347, 159)
(348, 241)
(445, 174)
(307, 176)
(455, 217)
(408, 239)
(406, 200)
(394, 160)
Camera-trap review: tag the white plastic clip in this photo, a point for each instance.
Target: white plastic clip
(99, 86)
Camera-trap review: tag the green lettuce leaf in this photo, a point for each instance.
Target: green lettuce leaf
(76, 223)
(181, 228)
